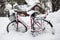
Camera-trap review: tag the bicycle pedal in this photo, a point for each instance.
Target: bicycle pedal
(32, 30)
(43, 28)
(53, 33)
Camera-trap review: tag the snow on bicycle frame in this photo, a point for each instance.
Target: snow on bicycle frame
(34, 11)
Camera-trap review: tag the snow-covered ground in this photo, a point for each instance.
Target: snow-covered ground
(53, 17)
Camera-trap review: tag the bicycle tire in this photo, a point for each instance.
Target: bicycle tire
(48, 23)
(48, 27)
(18, 22)
(51, 25)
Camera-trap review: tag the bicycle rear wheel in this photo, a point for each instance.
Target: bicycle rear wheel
(12, 27)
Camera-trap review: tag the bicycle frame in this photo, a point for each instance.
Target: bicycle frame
(31, 22)
(37, 23)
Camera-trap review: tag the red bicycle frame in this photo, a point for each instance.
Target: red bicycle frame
(37, 23)
(31, 22)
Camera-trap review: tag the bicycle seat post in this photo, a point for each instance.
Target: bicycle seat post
(32, 24)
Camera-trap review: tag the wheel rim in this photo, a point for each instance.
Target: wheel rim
(12, 27)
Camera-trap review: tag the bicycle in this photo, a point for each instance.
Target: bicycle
(37, 24)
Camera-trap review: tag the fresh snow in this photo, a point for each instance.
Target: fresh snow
(31, 2)
(53, 17)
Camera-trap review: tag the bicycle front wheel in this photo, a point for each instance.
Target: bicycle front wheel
(13, 27)
(48, 26)
(41, 25)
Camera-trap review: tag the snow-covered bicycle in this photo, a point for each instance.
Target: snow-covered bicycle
(37, 24)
